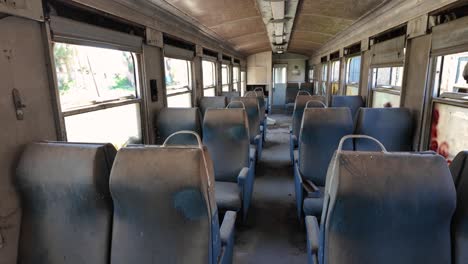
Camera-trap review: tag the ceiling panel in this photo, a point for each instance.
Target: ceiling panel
(318, 21)
(238, 22)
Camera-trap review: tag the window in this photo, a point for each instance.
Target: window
(209, 78)
(353, 73)
(324, 79)
(386, 86)
(235, 78)
(335, 77)
(178, 82)
(449, 74)
(243, 83)
(99, 94)
(311, 75)
(225, 77)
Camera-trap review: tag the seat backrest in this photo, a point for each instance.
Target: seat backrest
(164, 206)
(354, 102)
(253, 114)
(391, 126)
(387, 208)
(171, 120)
(216, 102)
(459, 170)
(230, 95)
(291, 92)
(226, 136)
(66, 204)
(308, 87)
(299, 106)
(261, 102)
(321, 131)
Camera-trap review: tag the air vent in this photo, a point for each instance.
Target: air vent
(389, 34)
(227, 58)
(210, 53)
(324, 59)
(447, 14)
(237, 61)
(176, 42)
(335, 55)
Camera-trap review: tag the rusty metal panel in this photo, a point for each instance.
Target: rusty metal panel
(31, 9)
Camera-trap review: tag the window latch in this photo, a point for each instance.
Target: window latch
(19, 106)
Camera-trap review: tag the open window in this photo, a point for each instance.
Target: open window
(178, 82)
(243, 82)
(236, 78)
(98, 86)
(353, 73)
(311, 75)
(209, 78)
(324, 79)
(335, 77)
(225, 77)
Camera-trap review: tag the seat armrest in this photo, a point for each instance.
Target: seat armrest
(252, 153)
(313, 231)
(227, 227)
(296, 156)
(242, 177)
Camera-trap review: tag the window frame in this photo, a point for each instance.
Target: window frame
(190, 81)
(236, 84)
(348, 59)
(331, 72)
(215, 83)
(61, 114)
(229, 77)
(324, 72)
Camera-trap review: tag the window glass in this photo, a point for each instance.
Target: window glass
(225, 77)
(353, 72)
(178, 82)
(324, 79)
(209, 78)
(235, 78)
(311, 75)
(90, 78)
(89, 75)
(388, 77)
(449, 74)
(243, 83)
(335, 77)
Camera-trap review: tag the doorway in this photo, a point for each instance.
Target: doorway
(279, 84)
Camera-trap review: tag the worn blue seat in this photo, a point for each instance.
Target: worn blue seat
(171, 120)
(66, 203)
(252, 109)
(299, 106)
(230, 95)
(353, 102)
(226, 136)
(321, 131)
(382, 207)
(166, 212)
(391, 126)
(215, 102)
(307, 87)
(459, 170)
(291, 92)
(262, 106)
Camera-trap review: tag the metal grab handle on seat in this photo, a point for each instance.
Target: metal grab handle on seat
(242, 103)
(200, 144)
(315, 101)
(340, 146)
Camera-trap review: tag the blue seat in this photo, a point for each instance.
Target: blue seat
(66, 203)
(215, 102)
(262, 106)
(165, 212)
(226, 136)
(171, 120)
(321, 131)
(299, 106)
(252, 109)
(459, 170)
(307, 87)
(230, 95)
(291, 92)
(391, 126)
(353, 102)
(382, 207)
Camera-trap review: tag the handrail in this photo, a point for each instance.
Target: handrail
(315, 101)
(200, 145)
(340, 146)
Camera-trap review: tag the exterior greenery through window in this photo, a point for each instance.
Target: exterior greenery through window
(178, 82)
(353, 73)
(209, 78)
(90, 77)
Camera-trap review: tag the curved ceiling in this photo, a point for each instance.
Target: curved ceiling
(239, 23)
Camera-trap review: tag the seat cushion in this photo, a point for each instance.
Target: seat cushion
(228, 196)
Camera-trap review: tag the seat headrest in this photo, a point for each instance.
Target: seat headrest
(391, 126)
(354, 102)
(171, 120)
(159, 204)
(64, 198)
(252, 109)
(387, 208)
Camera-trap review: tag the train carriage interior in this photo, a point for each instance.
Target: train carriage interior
(246, 131)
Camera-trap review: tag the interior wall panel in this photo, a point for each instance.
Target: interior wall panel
(22, 66)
